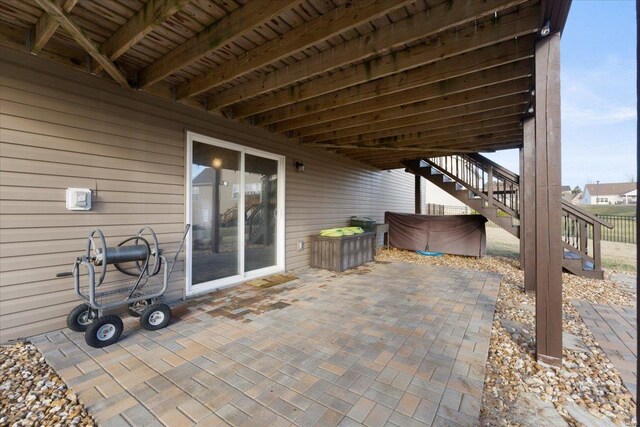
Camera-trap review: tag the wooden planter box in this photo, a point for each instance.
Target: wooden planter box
(342, 253)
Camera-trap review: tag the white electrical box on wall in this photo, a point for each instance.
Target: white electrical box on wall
(78, 199)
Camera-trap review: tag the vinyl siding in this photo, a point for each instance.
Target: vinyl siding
(60, 128)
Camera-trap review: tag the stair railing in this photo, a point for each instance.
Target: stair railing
(488, 180)
(499, 187)
(577, 227)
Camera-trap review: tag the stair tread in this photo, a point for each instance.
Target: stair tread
(571, 261)
(586, 265)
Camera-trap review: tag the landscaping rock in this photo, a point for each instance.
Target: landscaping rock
(586, 419)
(32, 394)
(533, 412)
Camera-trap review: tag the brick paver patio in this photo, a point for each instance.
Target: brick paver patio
(395, 344)
(614, 327)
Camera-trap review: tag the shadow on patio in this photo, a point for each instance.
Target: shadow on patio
(393, 343)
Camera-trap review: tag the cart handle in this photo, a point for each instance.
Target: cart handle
(175, 257)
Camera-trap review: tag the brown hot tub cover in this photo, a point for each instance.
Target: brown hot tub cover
(449, 234)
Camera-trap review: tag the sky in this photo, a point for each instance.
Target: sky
(598, 89)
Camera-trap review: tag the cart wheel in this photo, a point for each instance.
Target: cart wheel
(104, 331)
(80, 318)
(156, 316)
(136, 308)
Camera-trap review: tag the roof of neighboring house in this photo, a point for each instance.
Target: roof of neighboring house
(567, 196)
(615, 188)
(565, 188)
(206, 177)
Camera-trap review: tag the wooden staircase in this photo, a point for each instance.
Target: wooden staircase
(493, 191)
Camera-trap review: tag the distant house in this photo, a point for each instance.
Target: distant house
(576, 198)
(618, 193)
(566, 193)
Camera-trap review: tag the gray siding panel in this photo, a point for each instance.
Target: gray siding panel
(60, 128)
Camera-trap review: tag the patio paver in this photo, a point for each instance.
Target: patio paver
(395, 344)
(614, 327)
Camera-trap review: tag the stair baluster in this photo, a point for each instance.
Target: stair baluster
(494, 191)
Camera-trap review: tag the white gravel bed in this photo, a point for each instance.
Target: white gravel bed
(32, 394)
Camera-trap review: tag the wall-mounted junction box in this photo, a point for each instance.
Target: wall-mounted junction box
(78, 199)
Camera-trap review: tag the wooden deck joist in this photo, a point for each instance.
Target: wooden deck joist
(359, 75)
(343, 18)
(484, 93)
(47, 26)
(237, 23)
(485, 109)
(64, 20)
(441, 71)
(449, 132)
(468, 39)
(152, 15)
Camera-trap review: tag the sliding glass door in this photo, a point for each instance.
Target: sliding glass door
(235, 198)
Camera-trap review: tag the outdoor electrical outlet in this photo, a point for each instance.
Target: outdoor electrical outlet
(301, 245)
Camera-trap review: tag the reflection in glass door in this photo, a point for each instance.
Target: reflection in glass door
(260, 201)
(235, 205)
(214, 213)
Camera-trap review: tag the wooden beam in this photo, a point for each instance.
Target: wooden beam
(396, 164)
(47, 25)
(469, 146)
(488, 78)
(216, 35)
(151, 16)
(434, 127)
(528, 210)
(391, 156)
(436, 19)
(513, 87)
(447, 144)
(486, 130)
(450, 136)
(83, 40)
(472, 62)
(549, 249)
(435, 117)
(335, 22)
(390, 160)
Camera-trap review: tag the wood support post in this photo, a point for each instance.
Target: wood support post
(521, 208)
(528, 205)
(548, 244)
(418, 195)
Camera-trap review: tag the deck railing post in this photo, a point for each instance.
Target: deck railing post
(583, 233)
(597, 229)
(490, 182)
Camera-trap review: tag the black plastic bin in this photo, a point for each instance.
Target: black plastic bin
(366, 223)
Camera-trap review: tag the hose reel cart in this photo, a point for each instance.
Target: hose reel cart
(146, 276)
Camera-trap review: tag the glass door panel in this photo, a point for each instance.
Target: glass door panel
(235, 205)
(215, 199)
(261, 203)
